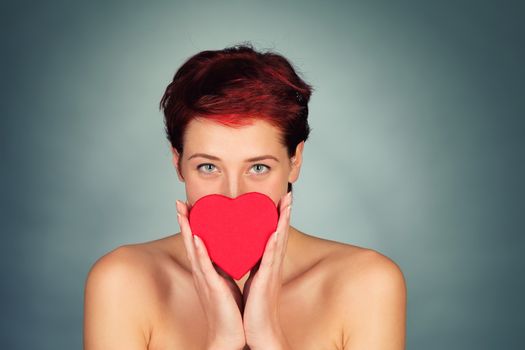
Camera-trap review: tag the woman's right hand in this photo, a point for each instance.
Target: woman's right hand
(220, 296)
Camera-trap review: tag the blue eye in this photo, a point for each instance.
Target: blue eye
(200, 165)
(258, 165)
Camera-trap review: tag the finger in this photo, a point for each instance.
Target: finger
(221, 271)
(271, 252)
(283, 240)
(253, 272)
(210, 274)
(248, 283)
(229, 279)
(196, 272)
(185, 231)
(184, 210)
(268, 255)
(282, 223)
(285, 201)
(234, 288)
(246, 289)
(189, 242)
(255, 268)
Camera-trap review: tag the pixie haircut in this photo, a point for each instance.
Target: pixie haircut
(233, 87)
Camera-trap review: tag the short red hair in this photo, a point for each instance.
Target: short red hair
(233, 86)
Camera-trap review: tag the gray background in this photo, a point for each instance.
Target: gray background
(417, 148)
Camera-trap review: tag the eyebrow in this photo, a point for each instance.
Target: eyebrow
(209, 156)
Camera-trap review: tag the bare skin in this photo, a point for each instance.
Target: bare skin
(333, 296)
(325, 295)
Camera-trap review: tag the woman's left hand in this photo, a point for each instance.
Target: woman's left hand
(261, 291)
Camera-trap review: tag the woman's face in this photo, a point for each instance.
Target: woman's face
(217, 159)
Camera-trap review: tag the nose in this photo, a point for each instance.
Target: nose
(233, 186)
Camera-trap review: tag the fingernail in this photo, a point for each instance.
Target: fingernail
(196, 241)
(177, 205)
(275, 236)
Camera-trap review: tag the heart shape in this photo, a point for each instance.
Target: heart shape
(234, 230)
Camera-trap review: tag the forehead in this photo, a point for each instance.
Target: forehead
(204, 135)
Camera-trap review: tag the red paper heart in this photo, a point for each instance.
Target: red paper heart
(234, 230)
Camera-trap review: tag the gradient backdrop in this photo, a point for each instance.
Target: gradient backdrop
(416, 150)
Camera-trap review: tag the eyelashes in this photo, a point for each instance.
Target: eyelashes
(264, 165)
(255, 165)
(200, 165)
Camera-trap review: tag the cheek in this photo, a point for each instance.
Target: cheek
(196, 189)
(275, 190)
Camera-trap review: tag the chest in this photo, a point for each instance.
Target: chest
(307, 319)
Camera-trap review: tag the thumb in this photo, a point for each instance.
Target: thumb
(248, 283)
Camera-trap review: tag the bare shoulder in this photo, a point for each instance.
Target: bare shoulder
(121, 266)
(356, 266)
(119, 298)
(369, 289)
(136, 270)
(363, 268)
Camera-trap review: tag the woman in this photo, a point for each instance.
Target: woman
(236, 120)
